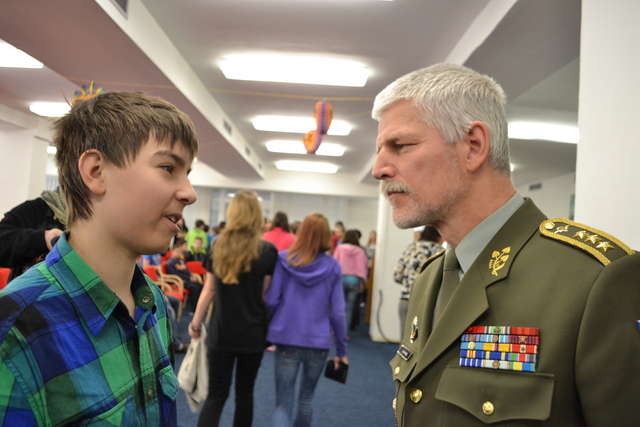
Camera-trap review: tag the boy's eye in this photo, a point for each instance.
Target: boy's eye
(168, 168)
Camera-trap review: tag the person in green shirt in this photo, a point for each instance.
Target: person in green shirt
(84, 336)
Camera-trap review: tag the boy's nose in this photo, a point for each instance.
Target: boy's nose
(187, 194)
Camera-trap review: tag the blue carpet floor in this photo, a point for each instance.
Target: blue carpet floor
(364, 401)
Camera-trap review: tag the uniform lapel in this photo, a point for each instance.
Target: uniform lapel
(469, 301)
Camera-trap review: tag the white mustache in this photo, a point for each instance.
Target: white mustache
(391, 186)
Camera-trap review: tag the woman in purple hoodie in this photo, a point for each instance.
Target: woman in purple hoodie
(306, 303)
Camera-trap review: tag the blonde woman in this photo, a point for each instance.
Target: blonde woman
(306, 302)
(239, 270)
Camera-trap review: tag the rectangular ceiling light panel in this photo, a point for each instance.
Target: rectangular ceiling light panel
(297, 147)
(11, 57)
(300, 166)
(544, 131)
(298, 125)
(295, 69)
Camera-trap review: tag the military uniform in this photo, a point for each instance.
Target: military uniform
(575, 292)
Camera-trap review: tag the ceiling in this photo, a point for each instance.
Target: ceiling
(172, 48)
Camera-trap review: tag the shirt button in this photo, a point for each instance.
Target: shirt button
(416, 395)
(397, 370)
(150, 393)
(145, 299)
(393, 404)
(487, 408)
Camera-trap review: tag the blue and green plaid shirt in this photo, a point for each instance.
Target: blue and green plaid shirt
(71, 353)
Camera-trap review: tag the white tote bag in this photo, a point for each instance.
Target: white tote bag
(194, 372)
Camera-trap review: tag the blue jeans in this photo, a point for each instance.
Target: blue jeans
(287, 362)
(351, 288)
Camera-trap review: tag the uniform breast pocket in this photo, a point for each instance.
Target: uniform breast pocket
(514, 398)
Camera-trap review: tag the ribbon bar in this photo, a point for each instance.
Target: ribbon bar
(497, 364)
(503, 339)
(496, 355)
(503, 330)
(505, 348)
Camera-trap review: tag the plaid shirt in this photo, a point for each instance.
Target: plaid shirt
(70, 352)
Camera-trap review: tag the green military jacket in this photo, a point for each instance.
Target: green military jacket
(579, 287)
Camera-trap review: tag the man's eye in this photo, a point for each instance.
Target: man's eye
(168, 168)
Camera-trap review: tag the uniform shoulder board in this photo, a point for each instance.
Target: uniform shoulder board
(601, 245)
(431, 258)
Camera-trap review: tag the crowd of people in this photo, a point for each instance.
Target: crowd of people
(521, 320)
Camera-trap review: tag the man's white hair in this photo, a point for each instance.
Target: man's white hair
(449, 97)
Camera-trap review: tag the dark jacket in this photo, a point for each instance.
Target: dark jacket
(22, 235)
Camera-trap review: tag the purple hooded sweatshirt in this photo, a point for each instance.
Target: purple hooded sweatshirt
(306, 303)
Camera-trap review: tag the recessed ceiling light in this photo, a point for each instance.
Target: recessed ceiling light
(300, 166)
(50, 109)
(298, 125)
(11, 57)
(544, 131)
(297, 147)
(295, 69)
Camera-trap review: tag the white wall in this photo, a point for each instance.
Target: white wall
(554, 195)
(354, 212)
(384, 322)
(607, 196)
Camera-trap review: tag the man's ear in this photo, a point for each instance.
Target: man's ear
(478, 139)
(91, 165)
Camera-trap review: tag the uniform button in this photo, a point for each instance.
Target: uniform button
(150, 393)
(416, 395)
(145, 299)
(487, 408)
(397, 370)
(393, 404)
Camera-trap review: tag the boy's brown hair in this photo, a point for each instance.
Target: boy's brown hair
(117, 124)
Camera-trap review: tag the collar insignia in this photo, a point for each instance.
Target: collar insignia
(499, 260)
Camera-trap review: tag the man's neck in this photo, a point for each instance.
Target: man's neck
(479, 204)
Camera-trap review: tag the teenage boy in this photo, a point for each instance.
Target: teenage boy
(84, 335)
(176, 265)
(197, 253)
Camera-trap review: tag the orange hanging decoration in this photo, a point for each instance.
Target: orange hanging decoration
(323, 114)
(312, 140)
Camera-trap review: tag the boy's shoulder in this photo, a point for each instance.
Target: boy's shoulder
(23, 296)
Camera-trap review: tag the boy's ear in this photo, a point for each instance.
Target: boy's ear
(91, 165)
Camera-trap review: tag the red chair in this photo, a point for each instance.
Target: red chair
(195, 267)
(170, 285)
(4, 276)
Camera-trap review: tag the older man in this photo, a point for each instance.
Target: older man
(524, 320)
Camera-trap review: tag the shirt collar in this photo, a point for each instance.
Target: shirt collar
(93, 299)
(476, 240)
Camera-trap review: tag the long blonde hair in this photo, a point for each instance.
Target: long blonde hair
(239, 243)
(313, 236)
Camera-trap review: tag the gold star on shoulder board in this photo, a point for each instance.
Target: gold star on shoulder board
(581, 234)
(562, 229)
(594, 238)
(605, 246)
